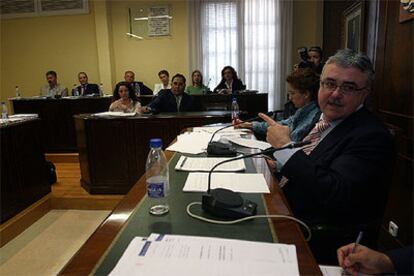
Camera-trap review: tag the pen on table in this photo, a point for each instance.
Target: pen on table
(183, 162)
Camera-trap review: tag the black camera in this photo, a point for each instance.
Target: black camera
(303, 54)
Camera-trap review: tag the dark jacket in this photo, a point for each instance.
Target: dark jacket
(165, 101)
(402, 259)
(344, 179)
(91, 89)
(237, 85)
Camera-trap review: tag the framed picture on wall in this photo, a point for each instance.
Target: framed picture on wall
(353, 26)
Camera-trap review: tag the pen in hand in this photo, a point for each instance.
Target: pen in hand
(357, 242)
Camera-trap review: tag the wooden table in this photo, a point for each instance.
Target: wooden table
(88, 256)
(58, 128)
(23, 167)
(113, 150)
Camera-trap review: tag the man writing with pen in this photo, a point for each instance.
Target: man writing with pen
(338, 182)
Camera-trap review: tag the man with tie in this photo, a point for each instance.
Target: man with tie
(85, 88)
(338, 182)
(53, 88)
(171, 100)
(137, 86)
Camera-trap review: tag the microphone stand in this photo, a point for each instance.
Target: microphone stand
(215, 149)
(225, 203)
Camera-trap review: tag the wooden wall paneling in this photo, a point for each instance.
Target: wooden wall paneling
(393, 93)
(390, 45)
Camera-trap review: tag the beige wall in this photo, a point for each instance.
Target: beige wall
(94, 43)
(147, 57)
(97, 43)
(32, 46)
(307, 25)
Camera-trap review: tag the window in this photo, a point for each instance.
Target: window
(242, 34)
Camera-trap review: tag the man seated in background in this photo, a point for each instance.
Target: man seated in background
(165, 81)
(53, 88)
(85, 88)
(171, 100)
(338, 183)
(138, 87)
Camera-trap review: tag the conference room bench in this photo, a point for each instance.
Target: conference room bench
(131, 218)
(58, 128)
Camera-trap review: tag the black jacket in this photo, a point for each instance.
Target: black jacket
(165, 101)
(91, 89)
(344, 179)
(237, 85)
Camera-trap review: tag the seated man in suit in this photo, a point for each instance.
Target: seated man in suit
(171, 100)
(85, 88)
(338, 182)
(53, 88)
(138, 86)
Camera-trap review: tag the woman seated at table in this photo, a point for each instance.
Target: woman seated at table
(197, 88)
(229, 83)
(125, 99)
(303, 86)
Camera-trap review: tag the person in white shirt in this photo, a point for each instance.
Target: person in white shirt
(125, 99)
(165, 81)
(53, 88)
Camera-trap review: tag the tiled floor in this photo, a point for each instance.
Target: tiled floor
(46, 246)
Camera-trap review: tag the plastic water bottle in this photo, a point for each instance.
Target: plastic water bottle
(234, 111)
(4, 111)
(75, 90)
(157, 178)
(17, 92)
(101, 89)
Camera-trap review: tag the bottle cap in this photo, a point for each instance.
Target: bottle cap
(156, 143)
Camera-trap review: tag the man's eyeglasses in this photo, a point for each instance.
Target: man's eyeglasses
(345, 89)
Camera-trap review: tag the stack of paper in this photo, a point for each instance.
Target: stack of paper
(250, 143)
(114, 114)
(196, 142)
(205, 164)
(191, 142)
(189, 255)
(227, 131)
(237, 182)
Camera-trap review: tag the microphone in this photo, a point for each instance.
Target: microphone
(218, 149)
(225, 203)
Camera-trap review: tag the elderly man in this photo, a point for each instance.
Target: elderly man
(139, 87)
(53, 88)
(337, 183)
(171, 100)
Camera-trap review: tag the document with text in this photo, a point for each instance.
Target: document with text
(205, 164)
(205, 256)
(237, 182)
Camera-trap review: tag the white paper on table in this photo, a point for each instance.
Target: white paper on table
(237, 182)
(328, 270)
(114, 114)
(212, 129)
(192, 142)
(27, 115)
(187, 255)
(205, 164)
(249, 143)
